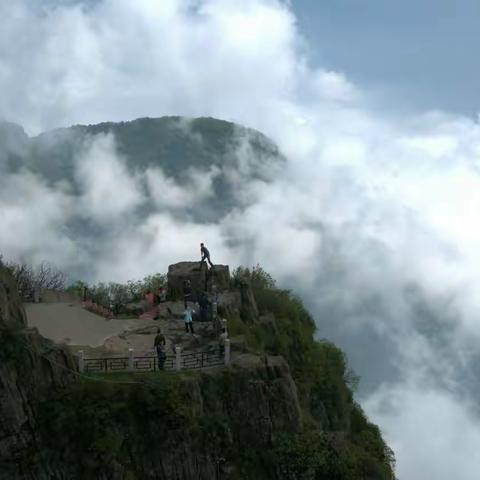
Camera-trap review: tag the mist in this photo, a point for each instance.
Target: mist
(372, 220)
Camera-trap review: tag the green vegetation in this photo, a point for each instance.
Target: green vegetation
(119, 294)
(121, 418)
(320, 455)
(323, 379)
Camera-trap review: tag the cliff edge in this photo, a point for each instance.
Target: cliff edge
(30, 366)
(282, 410)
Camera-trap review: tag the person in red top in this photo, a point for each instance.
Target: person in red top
(150, 297)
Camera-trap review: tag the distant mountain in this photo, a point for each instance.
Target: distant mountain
(14, 146)
(227, 152)
(103, 183)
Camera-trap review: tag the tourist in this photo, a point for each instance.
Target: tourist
(203, 303)
(149, 297)
(188, 319)
(205, 256)
(159, 346)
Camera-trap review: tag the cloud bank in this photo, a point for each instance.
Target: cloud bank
(373, 220)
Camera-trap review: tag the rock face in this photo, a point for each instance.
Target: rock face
(224, 411)
(253, 399)
(200, 279)
(183, 271)
(30, 366)
(12, 314)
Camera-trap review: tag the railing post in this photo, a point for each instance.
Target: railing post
(130, 359)
(178, 359)
(81, 361)
(227, 351)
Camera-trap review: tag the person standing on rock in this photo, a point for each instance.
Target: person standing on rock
(205, 256)
(159, 346)
(187, 317)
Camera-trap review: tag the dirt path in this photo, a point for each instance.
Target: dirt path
(81, 330)
(71, 324)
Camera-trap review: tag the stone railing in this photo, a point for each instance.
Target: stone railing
(149, 363)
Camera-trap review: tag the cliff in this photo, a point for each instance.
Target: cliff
(282, 410)
(30, 366)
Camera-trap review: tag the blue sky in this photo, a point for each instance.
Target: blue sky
(420, 53)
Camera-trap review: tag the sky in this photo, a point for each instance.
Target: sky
(415, 54)
(373, 220)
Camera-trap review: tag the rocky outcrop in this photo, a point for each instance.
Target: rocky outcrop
(244, 421)
(253, 399)
(179, 273)
(201, 279)
(12, 314)
(30, 367)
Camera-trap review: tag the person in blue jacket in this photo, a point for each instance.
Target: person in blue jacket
(187, 317)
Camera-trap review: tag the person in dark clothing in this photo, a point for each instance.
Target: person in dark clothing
(205, 256)
(187, 293)
(203, 303)
(159, 345)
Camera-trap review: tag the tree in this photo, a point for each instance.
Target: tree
(257, 277)
(44, 276)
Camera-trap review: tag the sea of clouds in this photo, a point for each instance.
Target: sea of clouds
(373, 220)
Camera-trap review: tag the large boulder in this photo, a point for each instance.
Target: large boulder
(179, 273)
(12, 313)
(201, 279)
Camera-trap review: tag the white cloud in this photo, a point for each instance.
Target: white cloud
(167, 193)
(446, 435)
(334, 86)
(109, 192)
(156, 243)
(32, 215)
(373, 219)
